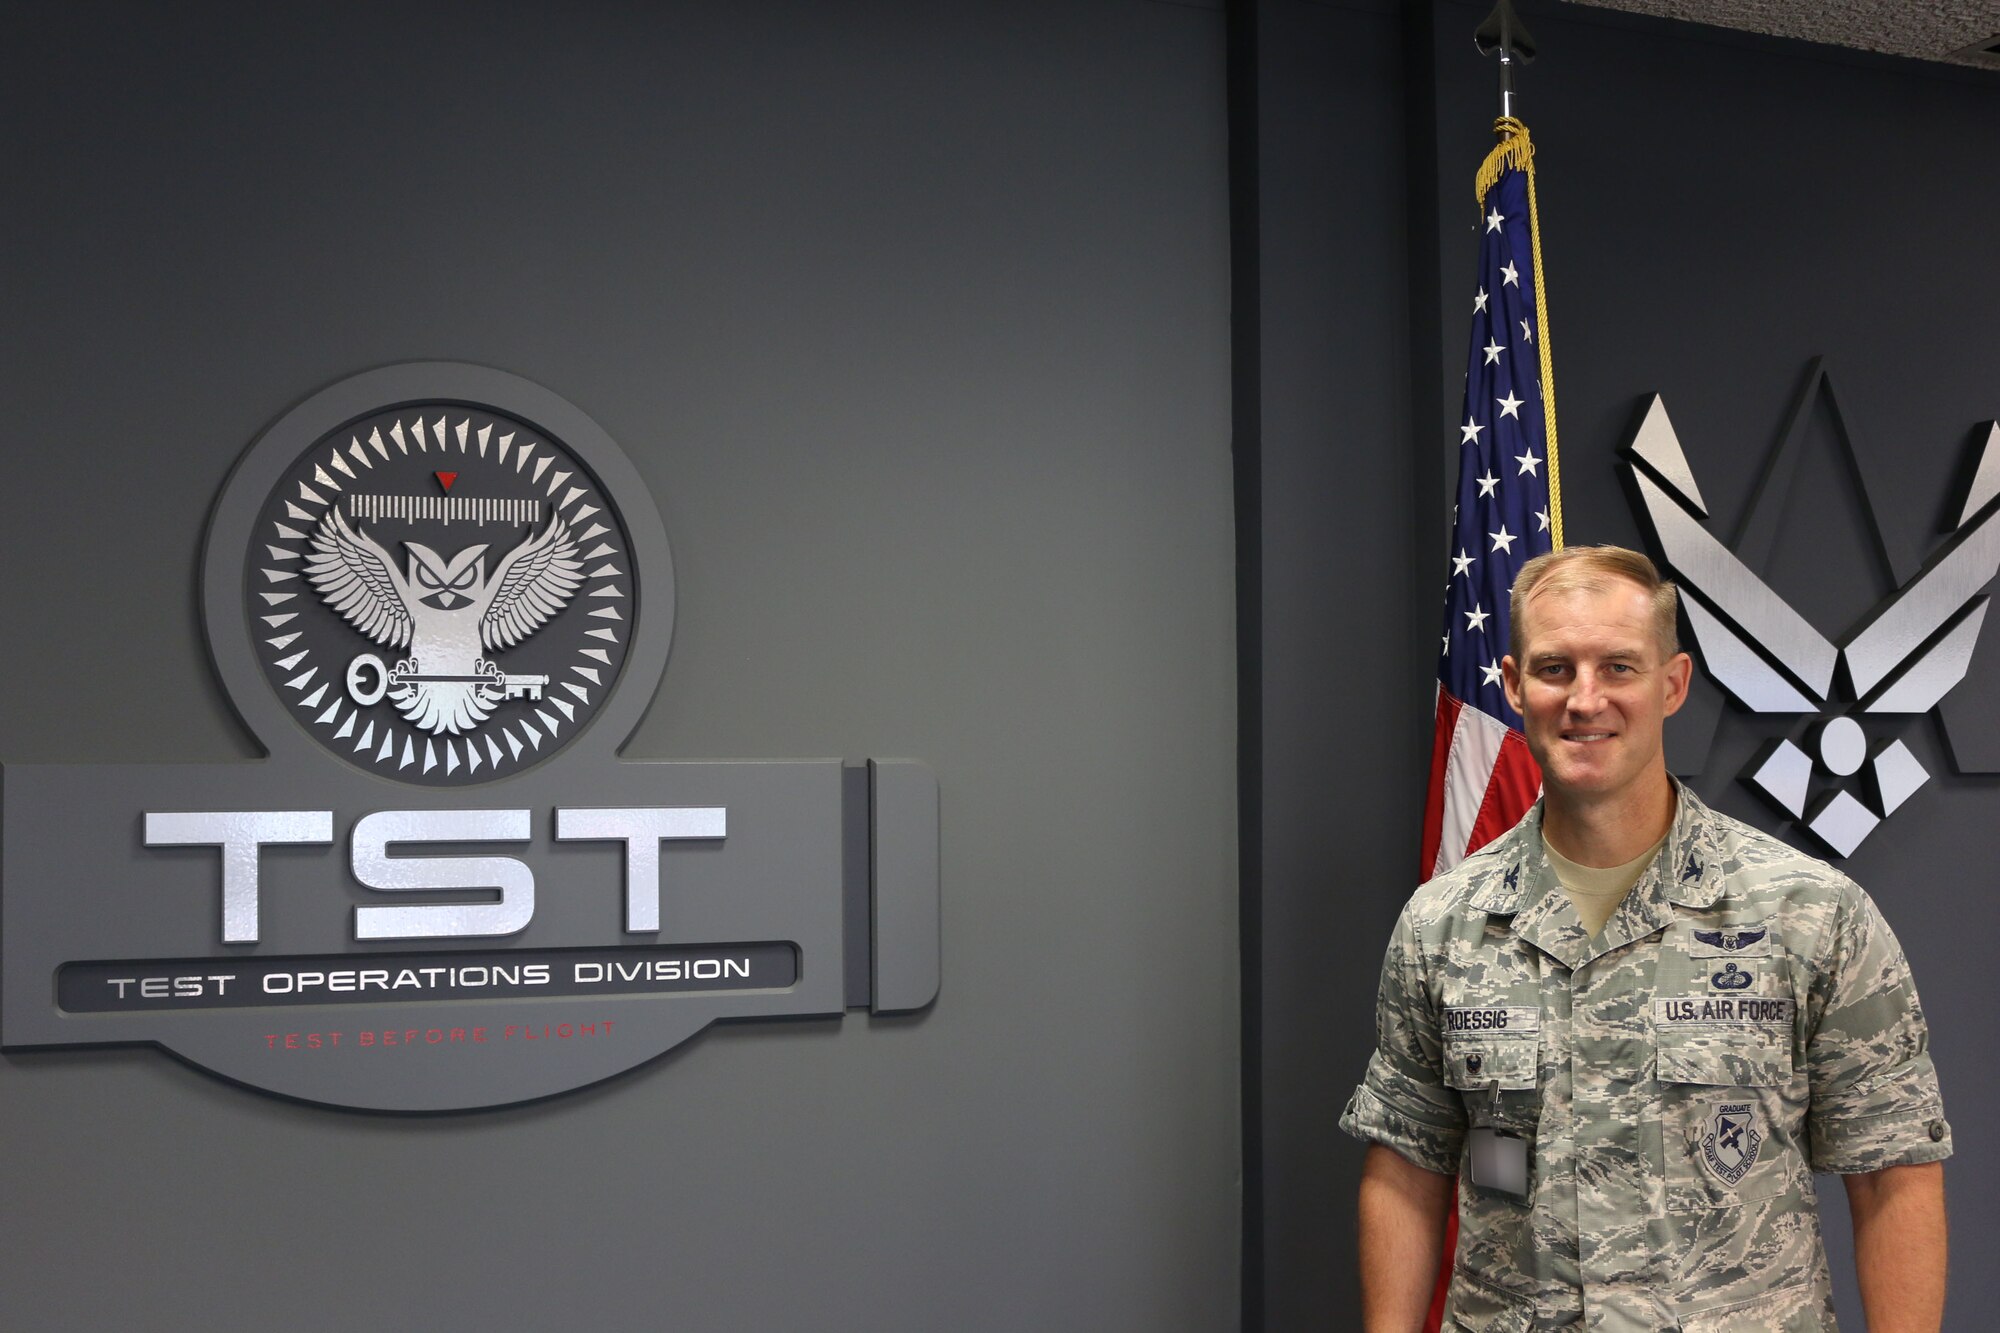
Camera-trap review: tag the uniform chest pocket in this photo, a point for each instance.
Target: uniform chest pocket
(1498, 1078)
(1728, 1122)
(1492, 1057)
(1483, 1043)
(1726, 1061)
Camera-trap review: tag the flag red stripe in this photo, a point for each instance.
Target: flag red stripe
(1509, 792)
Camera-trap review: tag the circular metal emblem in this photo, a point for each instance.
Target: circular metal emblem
(440, 593)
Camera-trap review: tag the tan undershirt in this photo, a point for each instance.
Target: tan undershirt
(1597, 890)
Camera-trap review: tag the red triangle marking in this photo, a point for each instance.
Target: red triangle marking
(445, 479)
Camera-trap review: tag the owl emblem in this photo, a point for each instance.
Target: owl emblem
(446, 610)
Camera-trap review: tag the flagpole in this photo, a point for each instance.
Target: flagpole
(1504, 32)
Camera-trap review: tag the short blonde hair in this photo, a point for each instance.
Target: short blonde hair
(1590, 569)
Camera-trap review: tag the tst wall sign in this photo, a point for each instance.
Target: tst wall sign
(441, 597)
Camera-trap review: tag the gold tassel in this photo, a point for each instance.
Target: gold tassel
(1513, 153)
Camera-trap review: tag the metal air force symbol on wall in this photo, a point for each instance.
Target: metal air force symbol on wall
(441, 597)
(1908, 654)
(444, 594)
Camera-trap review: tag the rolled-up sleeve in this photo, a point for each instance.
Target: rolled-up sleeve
(1402, 1102)
(1875, 1100)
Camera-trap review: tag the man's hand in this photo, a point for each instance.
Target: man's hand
(1403, 1212)
(1899, 1246)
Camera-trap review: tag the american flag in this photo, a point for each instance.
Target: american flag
(1482, 777)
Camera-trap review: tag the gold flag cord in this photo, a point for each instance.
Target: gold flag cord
(1515, 152)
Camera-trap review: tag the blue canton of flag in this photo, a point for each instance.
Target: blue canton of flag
(1502, 516)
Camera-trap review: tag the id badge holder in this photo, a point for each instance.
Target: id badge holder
(1498, 1157)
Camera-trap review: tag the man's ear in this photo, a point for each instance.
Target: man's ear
(1680, 675)
(1510, 681)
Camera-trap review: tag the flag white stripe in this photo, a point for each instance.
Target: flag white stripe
(1468, 770)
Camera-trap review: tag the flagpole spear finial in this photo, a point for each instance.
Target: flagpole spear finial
(1504, 32)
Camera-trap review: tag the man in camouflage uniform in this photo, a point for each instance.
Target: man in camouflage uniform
(1634, 1115)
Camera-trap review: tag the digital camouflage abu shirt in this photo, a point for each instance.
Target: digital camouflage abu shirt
(1745, 1019)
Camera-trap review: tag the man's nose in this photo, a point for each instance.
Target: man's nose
(1584, 696)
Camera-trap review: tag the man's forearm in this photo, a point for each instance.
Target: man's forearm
(1899, 1246)
(1403, 1212)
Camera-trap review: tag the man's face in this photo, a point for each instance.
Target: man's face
(1594, 691)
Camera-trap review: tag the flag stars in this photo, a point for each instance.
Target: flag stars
(1472, 661)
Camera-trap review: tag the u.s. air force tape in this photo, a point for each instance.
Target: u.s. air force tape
(1724, 1011)
(1512, 1018)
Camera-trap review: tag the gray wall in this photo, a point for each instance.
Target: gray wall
(915, 318)
(1346, 691)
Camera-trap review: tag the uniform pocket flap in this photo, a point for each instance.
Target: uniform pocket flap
(1484, 1309)
(1484, 1062)
(1804, 1307)
(1725, 1060)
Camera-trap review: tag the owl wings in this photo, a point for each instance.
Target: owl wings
(358, 579)
(535, 580)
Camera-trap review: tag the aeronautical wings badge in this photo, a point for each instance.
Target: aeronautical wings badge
(1731, 940)
(1909, 652)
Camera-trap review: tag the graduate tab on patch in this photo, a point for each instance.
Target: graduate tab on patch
(1747, 940)
(1730, 1145)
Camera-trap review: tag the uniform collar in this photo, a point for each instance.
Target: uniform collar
(1691, 860)
(1519, 882)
